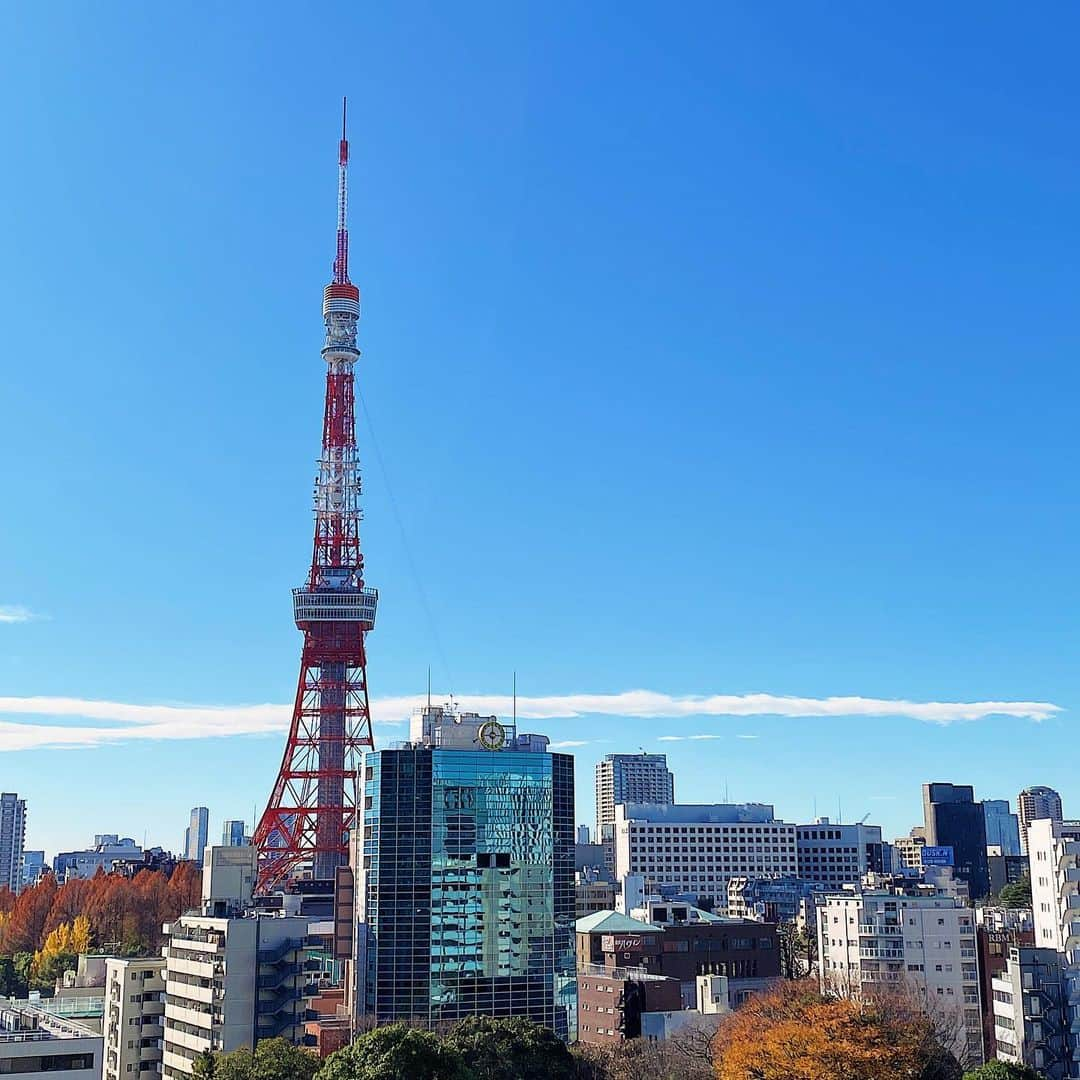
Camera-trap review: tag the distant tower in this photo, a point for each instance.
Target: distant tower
(195, 836)
(1035, 804)
(303, 830)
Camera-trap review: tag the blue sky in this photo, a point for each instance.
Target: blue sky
(723, 350)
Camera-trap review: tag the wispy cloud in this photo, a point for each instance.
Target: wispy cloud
(746, 736)
(15, 613)
(64, 722)
(686, 738)
(568, 744)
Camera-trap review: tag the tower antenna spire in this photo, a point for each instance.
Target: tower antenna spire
(341, 260)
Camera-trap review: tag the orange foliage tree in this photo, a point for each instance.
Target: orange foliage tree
(116, 910)
(793, 1033)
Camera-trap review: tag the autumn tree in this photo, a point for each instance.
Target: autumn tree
(24, 926)
(793, 1033)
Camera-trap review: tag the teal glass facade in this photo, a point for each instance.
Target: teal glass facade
(469, 885)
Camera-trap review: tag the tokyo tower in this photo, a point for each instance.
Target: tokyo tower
(303, 830)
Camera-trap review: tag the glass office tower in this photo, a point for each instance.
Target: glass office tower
(467, 882)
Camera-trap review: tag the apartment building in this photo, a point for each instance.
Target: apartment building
(905, 935)
(1029, 1017)
(233, 976)
(1036, 804)
(12, 839)
(134, 1016)
(697, 849)
(631, 778)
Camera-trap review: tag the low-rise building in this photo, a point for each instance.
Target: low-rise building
(36, 1045)
(593, 896)
(108, 849)
(613, 1000)
(771, 899)
(134, 1016)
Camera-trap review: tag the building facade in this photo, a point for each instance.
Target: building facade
(233, 835)
(37, 1045)
(1029, 1012)
(1002, 826)
(952, 818)
(465, 881)
(1036, 804)
(907, 851)
(197, 834)
(133, 1025)
(33, 867)
(838, 855)
(233, 975)
(697, 849)
(12, 839)
(109, 849)
(771, 899)
(630, 778)
(905, 935)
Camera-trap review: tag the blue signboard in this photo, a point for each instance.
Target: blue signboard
(937, 856)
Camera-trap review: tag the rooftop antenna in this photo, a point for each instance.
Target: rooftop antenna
(429, 686)
(515, 701)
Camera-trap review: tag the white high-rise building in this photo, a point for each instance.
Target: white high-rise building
(195, 836)
(12, 839)
(919, 936)
(630, 778)
(134, 1011)
(1035, 804)
(698, 849)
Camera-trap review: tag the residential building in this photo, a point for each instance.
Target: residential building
(613, 1001)
(953, 819)
(997, 929)
(1029, 1001)
(702, 1020)
(907, 851)
(836, 854)
(32, 868)
(12, 839)
(631, 778)
(905, 934)
(196, 834)
(233, 834)
(464, 868)
(771, 899)
(108, 850)
(1036, 804)
(38, 1045)
(697, 849)
(233, 975)
(1002, 826)
(134, 1016)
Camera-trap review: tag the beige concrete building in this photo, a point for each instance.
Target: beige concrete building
(134, 1008)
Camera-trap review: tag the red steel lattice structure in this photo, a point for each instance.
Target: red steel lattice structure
(303, 830)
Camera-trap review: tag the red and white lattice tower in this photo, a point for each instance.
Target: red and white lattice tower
(303, 830)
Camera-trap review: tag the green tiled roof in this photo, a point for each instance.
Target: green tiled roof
(611, 922)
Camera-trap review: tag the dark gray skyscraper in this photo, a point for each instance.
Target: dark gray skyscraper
(954, 819)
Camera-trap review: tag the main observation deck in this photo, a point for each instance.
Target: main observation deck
(335, 605)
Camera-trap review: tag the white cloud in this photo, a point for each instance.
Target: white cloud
(746, 736)
(568, 744)
(15, 613)
(77, 722)
(686, 738)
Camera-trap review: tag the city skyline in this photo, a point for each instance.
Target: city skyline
(697, 359)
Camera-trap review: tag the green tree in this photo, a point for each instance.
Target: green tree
(1018, 894)
(393, 1053)
(12, 983)
(273, 1059)
(1002, 1070)
(513, 1049)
